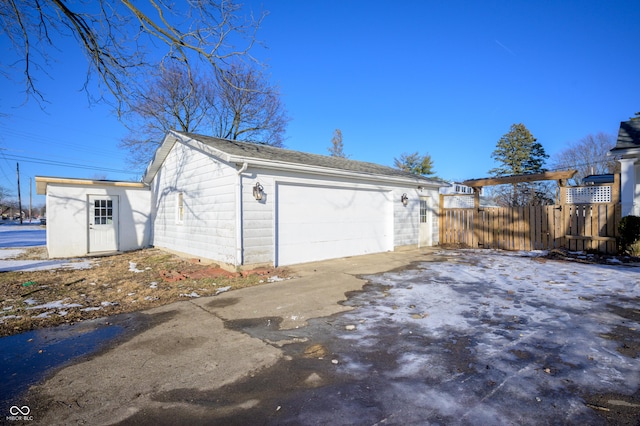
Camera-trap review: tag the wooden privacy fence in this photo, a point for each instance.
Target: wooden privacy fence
(574, 226)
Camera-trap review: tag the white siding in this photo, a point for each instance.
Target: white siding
(208, 229)
(68, 215)
(211, 191)
(258, 220)
(406, 218)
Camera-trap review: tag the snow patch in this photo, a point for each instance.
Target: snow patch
(223, 289)
(55, 305)
(133, 267)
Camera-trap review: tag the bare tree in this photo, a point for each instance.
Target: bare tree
(337, 147)
(177, 98)
(247, 107)
(122, 38)
(174, 99)
(588, 156)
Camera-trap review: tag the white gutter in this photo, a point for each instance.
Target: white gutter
(239, 246)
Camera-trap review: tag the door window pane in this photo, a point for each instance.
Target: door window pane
(423, 211)
(103, 212)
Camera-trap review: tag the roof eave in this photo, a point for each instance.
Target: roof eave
(633, 151)
(319, 170)
(43, 181)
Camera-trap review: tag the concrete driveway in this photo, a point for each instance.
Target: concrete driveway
(446, 337)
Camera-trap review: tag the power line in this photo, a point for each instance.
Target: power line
(49, 141)
(62, 164)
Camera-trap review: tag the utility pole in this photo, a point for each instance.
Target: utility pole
(19, 199)
(30, 196)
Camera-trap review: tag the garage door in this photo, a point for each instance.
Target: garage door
(316, 223)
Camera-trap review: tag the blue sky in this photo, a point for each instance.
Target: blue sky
(446, 78)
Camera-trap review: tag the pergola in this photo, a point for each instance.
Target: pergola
(560, 176)
(477, 184)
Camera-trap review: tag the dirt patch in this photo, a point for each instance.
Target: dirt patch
(116, 284)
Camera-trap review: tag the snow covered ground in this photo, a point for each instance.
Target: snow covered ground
(14, 238)
(488, 337)
(13, 234)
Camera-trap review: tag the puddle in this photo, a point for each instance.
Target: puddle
(29, 357)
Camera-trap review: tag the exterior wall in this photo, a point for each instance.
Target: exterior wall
(406, 219)
(630, 186)
(258, 221)
(68, 216)
(209, 186)
(259, 217)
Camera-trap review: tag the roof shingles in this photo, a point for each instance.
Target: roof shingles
(270, 153)
(628, 135)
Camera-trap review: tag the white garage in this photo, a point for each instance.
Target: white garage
(243, 205)
(320, 222)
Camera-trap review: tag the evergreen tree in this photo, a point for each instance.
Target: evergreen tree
(517, 153)
(414, 163)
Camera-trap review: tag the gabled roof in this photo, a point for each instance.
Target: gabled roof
(269, 156)
(628, 135)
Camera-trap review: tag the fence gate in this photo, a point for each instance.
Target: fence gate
(586, 218)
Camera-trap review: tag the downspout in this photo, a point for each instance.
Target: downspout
(239, 247)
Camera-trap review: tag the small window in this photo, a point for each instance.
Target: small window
(424, 211)
(103, 212)
(180, 208)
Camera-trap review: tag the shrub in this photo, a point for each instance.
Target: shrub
(628, 234)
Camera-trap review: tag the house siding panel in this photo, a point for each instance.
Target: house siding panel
(208, 187)
(406, 218)
(258, 219)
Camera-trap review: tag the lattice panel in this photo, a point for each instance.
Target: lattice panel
(458, 202)
(589, 195)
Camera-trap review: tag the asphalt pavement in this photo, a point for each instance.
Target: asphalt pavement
(199, 346)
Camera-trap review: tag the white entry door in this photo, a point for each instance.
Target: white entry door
(103, 223)
(426, 235)
(319, 222)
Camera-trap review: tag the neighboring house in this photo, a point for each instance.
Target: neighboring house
(628, 150)
(457, 188)
(242, 204)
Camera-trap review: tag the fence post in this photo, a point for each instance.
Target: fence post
(441, 221)
(477, 229)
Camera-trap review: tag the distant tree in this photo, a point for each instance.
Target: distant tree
(177, 98)
(4, 199)
(588, 156)
(122, 39)
(415, 163)
(174, 99)
(247, 107)
(337, 148)
(518, 152)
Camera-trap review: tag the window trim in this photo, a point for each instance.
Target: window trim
(180, 208)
